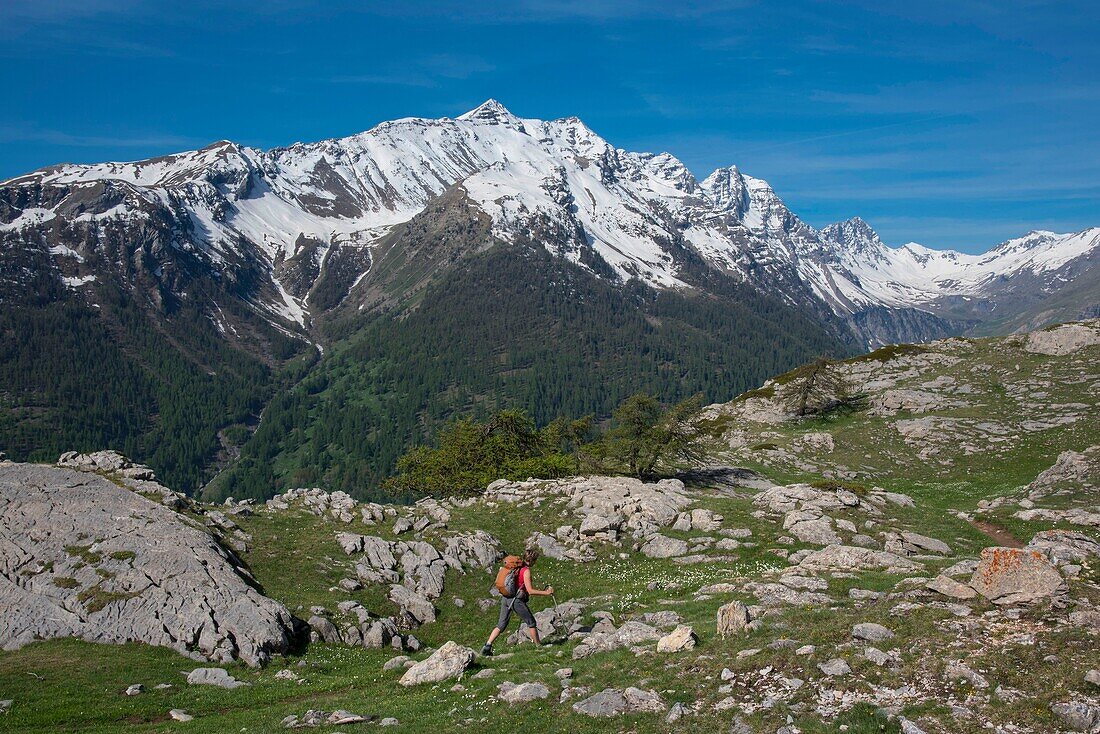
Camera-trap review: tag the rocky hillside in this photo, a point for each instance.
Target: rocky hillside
(924, 560)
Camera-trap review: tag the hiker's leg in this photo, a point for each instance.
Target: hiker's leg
(524, 612)
(502, 624)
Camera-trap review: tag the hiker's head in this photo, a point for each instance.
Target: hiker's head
(530, 556)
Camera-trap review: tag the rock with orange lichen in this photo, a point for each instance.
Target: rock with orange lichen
(1009, 576)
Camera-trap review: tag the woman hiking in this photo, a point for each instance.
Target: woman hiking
(515, 587)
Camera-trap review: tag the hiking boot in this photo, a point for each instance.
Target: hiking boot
(487, 651)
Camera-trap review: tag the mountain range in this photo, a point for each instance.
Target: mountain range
(358, 291)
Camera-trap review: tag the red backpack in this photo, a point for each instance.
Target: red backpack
(507, 582)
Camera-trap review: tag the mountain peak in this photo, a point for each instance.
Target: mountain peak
(489, 111)
(852, 233)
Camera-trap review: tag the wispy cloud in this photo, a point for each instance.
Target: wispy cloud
(27, 134)
(426, 71)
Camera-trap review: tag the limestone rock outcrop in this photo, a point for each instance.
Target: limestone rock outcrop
(82, 557)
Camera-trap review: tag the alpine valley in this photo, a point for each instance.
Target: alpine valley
(246, 321)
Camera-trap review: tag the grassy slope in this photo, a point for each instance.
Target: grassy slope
(67, 686)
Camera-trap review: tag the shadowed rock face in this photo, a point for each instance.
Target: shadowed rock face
(82, 557)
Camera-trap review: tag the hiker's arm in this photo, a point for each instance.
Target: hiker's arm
(532, 590)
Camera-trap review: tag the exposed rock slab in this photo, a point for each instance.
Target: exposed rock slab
(168, 582)
(613, 702)
(854, 558)
(1062, 340)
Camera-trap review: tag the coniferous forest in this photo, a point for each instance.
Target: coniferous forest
(513, 328)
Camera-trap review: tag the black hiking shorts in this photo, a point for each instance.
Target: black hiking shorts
(517, 605)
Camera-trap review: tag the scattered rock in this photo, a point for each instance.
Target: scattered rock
(853, 558)
(663, 618)
(876, 656)
(213, 677)
(681, 638)
(1093, 677)
(395, 663)
(908, 727)
(1078, 715)
(316, 717)
(1009, 576)
(962, 672)
(324, 629)
(612, 702)
(290, 675)
(449, 661)
(631, 633)
(676, 713)
(950, 587)
(522, 692)
(135, 689)
(180, 715)
(835, 667)
(662, 546)
(871, 631)
(733, 618)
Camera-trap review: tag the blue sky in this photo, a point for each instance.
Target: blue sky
(953, 124)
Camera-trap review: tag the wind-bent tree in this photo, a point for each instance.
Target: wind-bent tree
(815, 388)
(469, 455)
(646, 440)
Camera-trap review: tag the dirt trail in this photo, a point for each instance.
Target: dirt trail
(998, 533)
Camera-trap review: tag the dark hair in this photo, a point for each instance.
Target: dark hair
(530, 555)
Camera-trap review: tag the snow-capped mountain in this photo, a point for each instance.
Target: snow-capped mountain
(300, 230)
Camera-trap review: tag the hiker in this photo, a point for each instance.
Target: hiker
(514, 584)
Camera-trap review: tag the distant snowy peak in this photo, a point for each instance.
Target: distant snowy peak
(644, 215)
(854, 238)
(492, 112)
(914, 274)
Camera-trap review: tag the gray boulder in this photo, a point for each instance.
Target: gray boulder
(612, 702)
(923, 543)
(213, 677)
(521, 692)
(102, 563)
(1062, 340)
(871, 632)
(1078, 715)
(908, 727)
(662, 546)
(835, 668)
(326, 631)
(631, 633)
(950, 587)
(854, 558)
(409, 601)
(449, 661)
(1065, 546)
(733, 618)
(681, 638)
(1009, 576)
